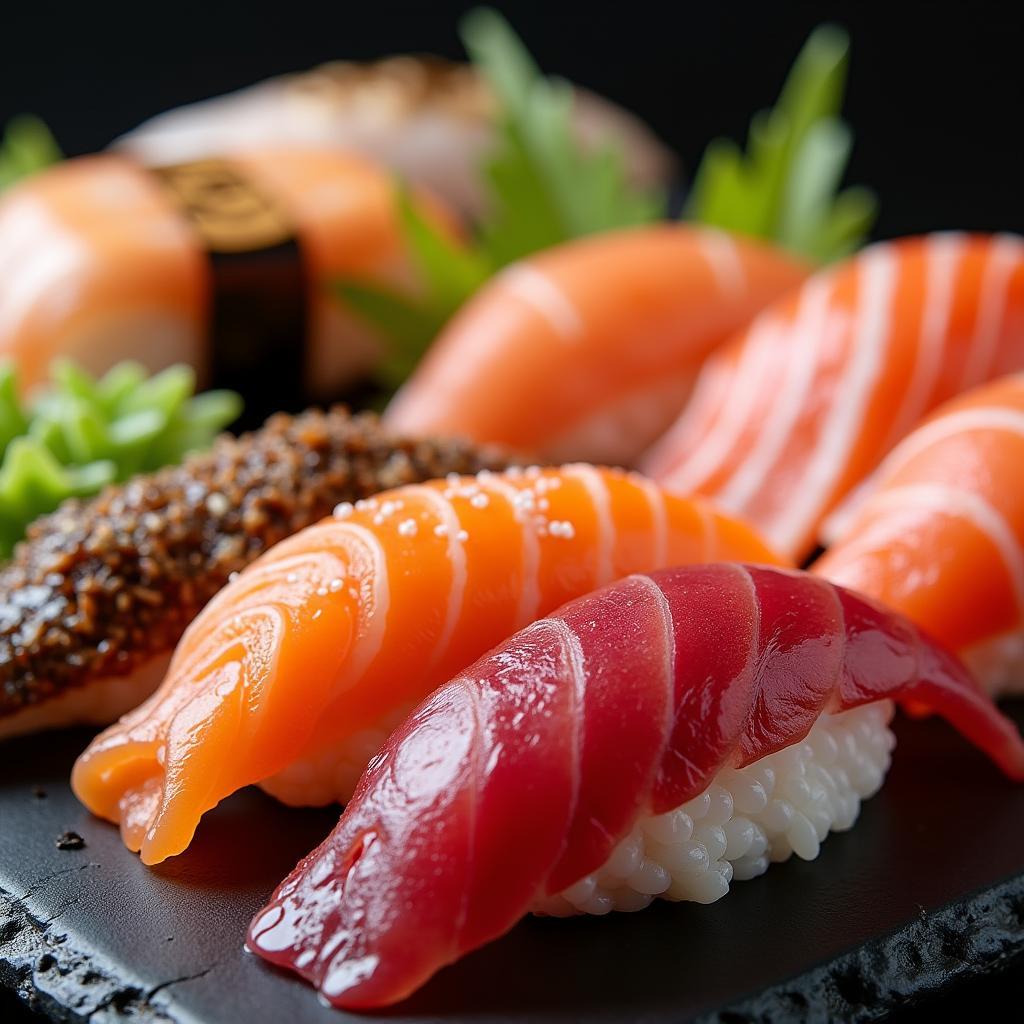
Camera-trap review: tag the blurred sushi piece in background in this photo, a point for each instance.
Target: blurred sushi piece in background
(432, 121)
(221, 265)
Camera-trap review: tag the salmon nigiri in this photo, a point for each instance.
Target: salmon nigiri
(102, 260)
(661, 737)
(939, 533)
(588, 350)
(794, 414)
(295, 673)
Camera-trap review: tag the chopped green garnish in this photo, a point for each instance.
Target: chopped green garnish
(785, 188)
(26, 146)
(80, 434)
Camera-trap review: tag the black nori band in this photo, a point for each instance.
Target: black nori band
(259, 328)
(259, 287)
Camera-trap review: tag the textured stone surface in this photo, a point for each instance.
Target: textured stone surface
(927, 889)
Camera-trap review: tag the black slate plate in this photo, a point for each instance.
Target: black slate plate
(928, 888)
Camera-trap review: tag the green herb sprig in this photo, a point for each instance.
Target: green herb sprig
(543, 188)
(79, 434)
(26, 146)
(786, 187)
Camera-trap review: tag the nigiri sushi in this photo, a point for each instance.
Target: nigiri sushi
(432, 121)
(96, 597)
(589, 350)
(793, 415)
(939, 532)
(296, 672)
(221, 265)
(664, 736)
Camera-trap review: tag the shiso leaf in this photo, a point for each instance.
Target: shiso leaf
(80, 434)
(786, 188)
(26, 146)
(542, 188)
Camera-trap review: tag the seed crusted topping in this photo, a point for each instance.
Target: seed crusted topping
(102, 585)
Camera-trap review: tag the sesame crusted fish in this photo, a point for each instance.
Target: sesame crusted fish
(99, 593)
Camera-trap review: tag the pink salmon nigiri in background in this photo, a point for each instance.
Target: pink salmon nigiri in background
(795, 413)
(939, 532)
(589, 350)
(99, 262)
(660, 737)
(295, 673)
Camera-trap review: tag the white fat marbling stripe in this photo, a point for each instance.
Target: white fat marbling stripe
(723, 257)
(659, 516)
(668, 645)
(838, 522)
(529, 596)
(988, 418)
(699, 412)
(755, 642)
(783, 417)
(370, 638)
(578, 668)
(709, 525)
(597, 490)
(760, 348)
(951, 501)
(1005, 256)
(871, 331)
(546, 297)
(943, 254)
(449, 517)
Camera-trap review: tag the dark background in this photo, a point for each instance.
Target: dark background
(935, 93)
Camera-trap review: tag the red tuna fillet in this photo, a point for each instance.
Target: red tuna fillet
(519, 777)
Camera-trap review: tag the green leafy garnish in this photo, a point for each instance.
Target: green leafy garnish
(25, 147)
(80, 434)
(542, 188)
(785, 187)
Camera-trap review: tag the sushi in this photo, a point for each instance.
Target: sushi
(661, 737)
(589, 350)
(939, 532)
(221, 265)
(797, 411)
(434, 122)
(296, 672)
(95, 599)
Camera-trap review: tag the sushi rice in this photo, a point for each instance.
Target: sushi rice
(782, 804)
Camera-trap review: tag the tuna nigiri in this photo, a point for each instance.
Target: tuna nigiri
(296, 672)
(661, 737)
(588, 350)
(221, 265)
(95, 599)
(939, 533)
(795, 413)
